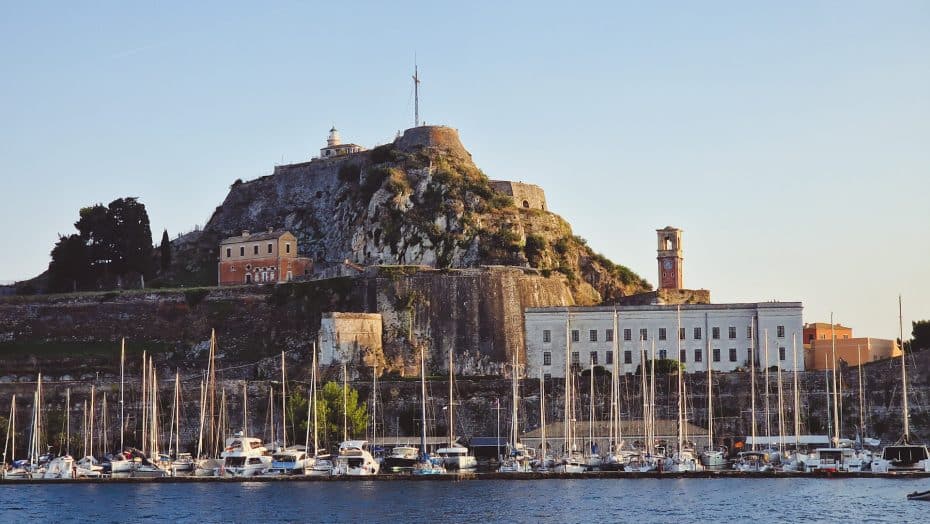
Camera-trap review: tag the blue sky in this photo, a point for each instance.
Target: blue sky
(788, 139)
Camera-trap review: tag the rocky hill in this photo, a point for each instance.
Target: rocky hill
(417, 201)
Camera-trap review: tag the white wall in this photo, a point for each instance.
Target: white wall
(765, 316)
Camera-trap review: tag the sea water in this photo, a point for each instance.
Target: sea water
(555, 500)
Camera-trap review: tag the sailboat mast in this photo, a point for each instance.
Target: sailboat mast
(542, 415)
(591, 408)
(710, 394)
(283, 405)
(652, 396)
(861, 397)
(177, 412)
(566, 420)
(797, 392)
(122, 406)
(313, 401)
(67, 423)
(345, 403)
(781, 408)
(615, 385)
(513, 414)
(145, 402)
(91, 420)
(765, 398)
(906, 412)
(245, 408)
(681, 440)
(202, 411)
(752, 379)
(374, 404)
(451, 402)
(423, 453)
(836, 397)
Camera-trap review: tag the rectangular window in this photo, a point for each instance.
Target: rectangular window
(592, 335)
(732, 332)
(732, 354)
(697, 333)
(716, 354)
(663, 354)
(609, 357)
(681, 333)
(576, 358)
(575, 335)
(547, 336)
(242, 251)
(228, 252)
(609, 335)
(748, 354)
(749, 331)
(255, 249)
(715, 333)
(627, 357)
(593, 358)
(547, 377)
(683, 355)
(697, 355)
(661, 333)
(780, 330)
(627, 334)
(547, 358)
(287, 247)
(270, 248)
(781, 353)
(644, 334)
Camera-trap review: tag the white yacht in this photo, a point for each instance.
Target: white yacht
(714, 459)
(245, 457)
(320, 466)
(355, 459)
(59, 468)
(519, 460)
(456, 457)
(902, 457)
(753, 462)
(88, 467)
(290, 461)
(401, 459)
(829, 460)
(183, 463)
(683, 461)
(119, 463)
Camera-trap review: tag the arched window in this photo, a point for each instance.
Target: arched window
(526, 204)
(248, 278)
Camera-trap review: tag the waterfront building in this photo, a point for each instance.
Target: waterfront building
(818, 346)
(260, 258)
(723, 333)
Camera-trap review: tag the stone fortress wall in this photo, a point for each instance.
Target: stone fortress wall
(527, 196)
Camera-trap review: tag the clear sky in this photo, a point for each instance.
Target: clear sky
(789, 139)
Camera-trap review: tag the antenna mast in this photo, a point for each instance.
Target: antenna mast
(416, 95)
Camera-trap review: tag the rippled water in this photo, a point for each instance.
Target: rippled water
(588, 500)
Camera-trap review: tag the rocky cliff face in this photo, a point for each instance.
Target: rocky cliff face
(417, 201)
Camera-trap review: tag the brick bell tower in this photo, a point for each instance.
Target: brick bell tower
(669, 257)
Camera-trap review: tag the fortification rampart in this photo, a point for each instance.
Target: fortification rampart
(526, 196)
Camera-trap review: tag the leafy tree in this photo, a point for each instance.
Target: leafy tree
(70, 268)
(664, 366)
(920, 335)
(165, 250)
(111, 240)
(331, 411)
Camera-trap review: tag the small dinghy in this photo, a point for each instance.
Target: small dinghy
(919, 495)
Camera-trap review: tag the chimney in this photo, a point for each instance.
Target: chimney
(271, 230)
(245, 232)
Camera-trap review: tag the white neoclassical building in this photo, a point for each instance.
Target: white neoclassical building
(725, 333)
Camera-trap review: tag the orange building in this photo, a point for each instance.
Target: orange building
(260, 258)
(819, 347)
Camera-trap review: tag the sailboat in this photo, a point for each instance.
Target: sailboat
(17, 469)
(572, 460)
(320, 464)
(354, 458)
(712, 457)
(425, 464)
(455, 456)
(519, 458)
(119, 462)
(903, 455)
(614, 459)
(684, 458)
(543, 462)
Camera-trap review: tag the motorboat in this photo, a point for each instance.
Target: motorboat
(753, 462)
(120, 463)
(245, 457)
(429, 466)
(456, 458)
(683, 461)
(401, 459)
(714, 459)
(320, 466)
(289, 461)
(901, 458)
(59, 468)
(208, 468)
(18, 470)
(88, 467)
(829, 460)
(148, 470)
(919, 495)
(183, 463)
(571, 463)
(355, 459)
